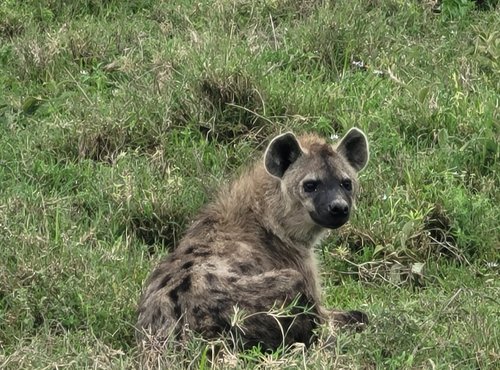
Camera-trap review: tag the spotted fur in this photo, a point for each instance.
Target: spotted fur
(252, 248)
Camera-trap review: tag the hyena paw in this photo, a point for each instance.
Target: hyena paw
(356, 320)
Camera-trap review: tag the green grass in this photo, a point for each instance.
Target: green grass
(119, 120)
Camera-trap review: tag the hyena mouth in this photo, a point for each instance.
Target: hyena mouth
(329, 221)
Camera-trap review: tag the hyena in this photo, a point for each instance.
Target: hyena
(252, 249)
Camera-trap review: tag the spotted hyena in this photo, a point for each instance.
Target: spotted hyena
(252, 248)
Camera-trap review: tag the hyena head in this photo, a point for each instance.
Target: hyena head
(318, 179)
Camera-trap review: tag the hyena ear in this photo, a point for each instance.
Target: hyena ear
(354, 147)
(282, 151)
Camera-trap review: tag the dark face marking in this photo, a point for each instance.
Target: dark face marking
(331, 193)
(331, 207)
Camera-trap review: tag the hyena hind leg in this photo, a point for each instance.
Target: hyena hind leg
(156, 322)
(278, 311)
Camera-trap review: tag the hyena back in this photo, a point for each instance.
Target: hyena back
(252, 248)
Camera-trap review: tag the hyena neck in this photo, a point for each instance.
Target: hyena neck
(255, 201)
(285, 224)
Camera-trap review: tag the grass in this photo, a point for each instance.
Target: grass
(118, 121)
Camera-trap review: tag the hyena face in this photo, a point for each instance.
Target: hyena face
(319, 178)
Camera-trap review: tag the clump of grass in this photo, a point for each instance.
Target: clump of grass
(11, 24)
(233, 106)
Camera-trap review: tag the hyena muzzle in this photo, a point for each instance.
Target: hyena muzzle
(251, 250)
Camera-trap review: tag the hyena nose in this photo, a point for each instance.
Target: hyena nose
(339, 208)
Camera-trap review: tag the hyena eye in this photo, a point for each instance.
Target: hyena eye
(310, 186)
(346, 184)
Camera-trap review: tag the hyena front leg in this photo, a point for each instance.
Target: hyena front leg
(274, 309)
(352, 319)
